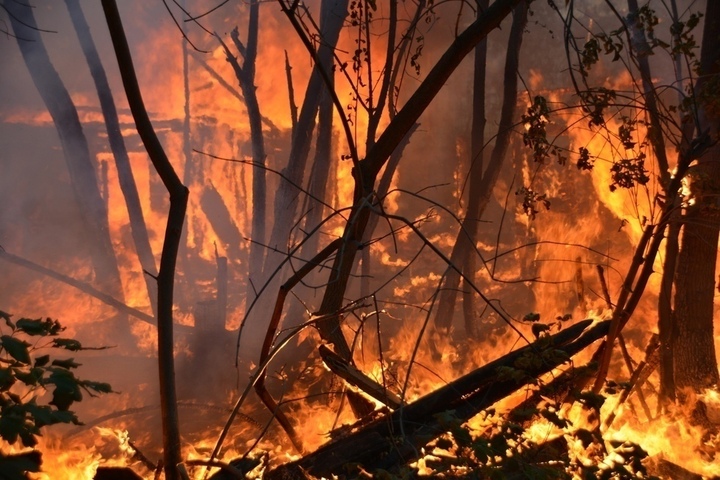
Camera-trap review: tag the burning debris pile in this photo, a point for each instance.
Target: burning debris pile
(282, 276)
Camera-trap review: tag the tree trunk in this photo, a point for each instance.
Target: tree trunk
(463, 251)
(75, 149)
(259, 190)
(333, 13)
(482, 184)
(173, 233)
(317, 188)
(666, 320)
(694, 346)
(117, 145)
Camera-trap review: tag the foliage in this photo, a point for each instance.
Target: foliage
(25, 376)
(637, 36)
(531, 200)
(535, 121)
(503, 448)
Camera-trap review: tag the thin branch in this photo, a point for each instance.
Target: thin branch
(82, 286)
(34, 27)
(208, 12)
(291, 93)
(289, 12)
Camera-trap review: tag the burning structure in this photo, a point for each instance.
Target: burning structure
(367, 201)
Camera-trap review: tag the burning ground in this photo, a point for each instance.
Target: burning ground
(505, 380)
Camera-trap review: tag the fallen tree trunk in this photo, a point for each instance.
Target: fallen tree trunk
(396, 439)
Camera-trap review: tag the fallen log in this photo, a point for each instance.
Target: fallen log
(559, 390)
(397, 438)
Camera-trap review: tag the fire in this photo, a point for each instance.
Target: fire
(546, 265)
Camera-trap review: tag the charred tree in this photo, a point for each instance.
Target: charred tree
(463, 248)
(641, 51)
(366, 171)
(245, 75)
(117, 145)
(221, 220)
(332, 17)
(482, 183)
(394, 58)
(319, 175)
(694, 348)
(666, 315)
(75, 150)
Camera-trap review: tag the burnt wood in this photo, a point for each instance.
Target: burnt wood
(397, 438)
(343, 369)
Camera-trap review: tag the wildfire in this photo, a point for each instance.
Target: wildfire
(523, 265)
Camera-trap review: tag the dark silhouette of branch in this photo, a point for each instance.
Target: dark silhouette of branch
(176, 217)
(82, 286)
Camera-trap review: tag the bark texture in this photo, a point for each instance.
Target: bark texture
(694, 346)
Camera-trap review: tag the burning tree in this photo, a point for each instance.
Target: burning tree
(357, 257)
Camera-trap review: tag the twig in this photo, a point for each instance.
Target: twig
(603, 285)
(260, 373)
(631, 369)
(620, 315)
(635, 382)
(140, 456)
(149, 408)
(291, 93)
(225, 467)
(270, 336)
(198, 58)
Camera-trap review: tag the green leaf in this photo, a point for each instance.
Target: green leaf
(67, 343)
(16, 348)
(44, 415)
(7, 379)
(42, 360)
(67, 388)
(67, 363)
(504, 373)
(39, 326)
(99, 387)
(6, 316)
(539, 328)
(16, 466)
(30, 378)
(14, 397)
(13, 425)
